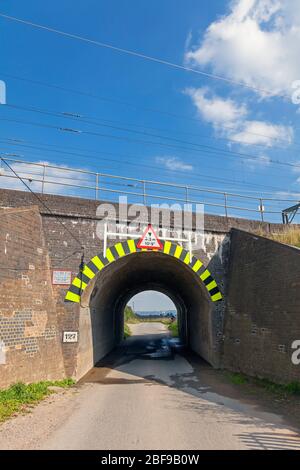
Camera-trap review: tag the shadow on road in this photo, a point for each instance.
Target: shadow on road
(152, 358)
(270, 441)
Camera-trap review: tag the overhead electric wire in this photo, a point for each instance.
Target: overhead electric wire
(224, 180)
(96, 158)
(123, 138)
(146, 57)
(214, 178)
(126, 156)
(41, 201)
(22, 143)
(180, 186)
(148, 195)
(139, 55)
(96, 121)
(28, 174)
(78, 118)
(124, 103)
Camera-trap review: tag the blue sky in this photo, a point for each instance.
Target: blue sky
(254, 42)
(151, 300)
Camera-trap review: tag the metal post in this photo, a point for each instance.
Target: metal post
(283, 218)
(97, 184)
(44, 173)
(225, 205)
(144, 192)
(187, 194)
(261, 210)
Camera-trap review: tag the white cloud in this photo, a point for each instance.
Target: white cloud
(215, 110)
(174, 163)
(2, 92)
(287, 195)
(260, 161)
(296, 169)
(31, 173)
(264, 133)
(256, 43)
(231, 120)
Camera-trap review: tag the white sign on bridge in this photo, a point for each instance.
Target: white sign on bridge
(70, 337)
(61, 277)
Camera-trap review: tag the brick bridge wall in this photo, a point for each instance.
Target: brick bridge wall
(30, 344)
(79, 216)
(263, 308)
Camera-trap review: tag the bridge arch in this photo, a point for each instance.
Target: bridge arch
(106, 284)
(129, 247)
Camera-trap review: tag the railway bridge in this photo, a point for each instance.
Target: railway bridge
(237, 294)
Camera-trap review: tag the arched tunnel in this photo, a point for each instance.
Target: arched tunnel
(103, 302)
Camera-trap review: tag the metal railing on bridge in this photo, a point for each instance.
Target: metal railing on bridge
(52, 179)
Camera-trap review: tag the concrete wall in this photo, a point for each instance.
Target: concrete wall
(263, 308)
(30, 339)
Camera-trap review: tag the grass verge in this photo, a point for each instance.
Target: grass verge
(292, 388)
(290, 236)
(127, 331)
(19, 396)
(173, 327)
(129, 317)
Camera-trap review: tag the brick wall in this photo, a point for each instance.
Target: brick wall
(30, 339)
(263, 308)
(86, 208)
(261, 289)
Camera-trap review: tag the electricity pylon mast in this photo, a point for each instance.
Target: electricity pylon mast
(289, 214)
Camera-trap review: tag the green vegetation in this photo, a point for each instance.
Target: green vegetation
(173, 327)
(163, 320)
(292, 388)
(19, 397)
(237, 379)
(127, 331)
(290, 236)
(129, 317)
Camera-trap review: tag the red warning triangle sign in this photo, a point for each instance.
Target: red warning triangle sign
(150, 240)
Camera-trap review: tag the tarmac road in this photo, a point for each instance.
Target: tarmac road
(143, 396)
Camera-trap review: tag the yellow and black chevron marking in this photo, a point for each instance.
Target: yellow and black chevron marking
(128, 247)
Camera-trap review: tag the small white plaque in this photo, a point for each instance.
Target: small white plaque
(70, 337)
(61, 277)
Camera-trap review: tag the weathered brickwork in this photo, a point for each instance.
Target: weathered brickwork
(262, 300)
(78, 208)
(30, 339)
(263, 308)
